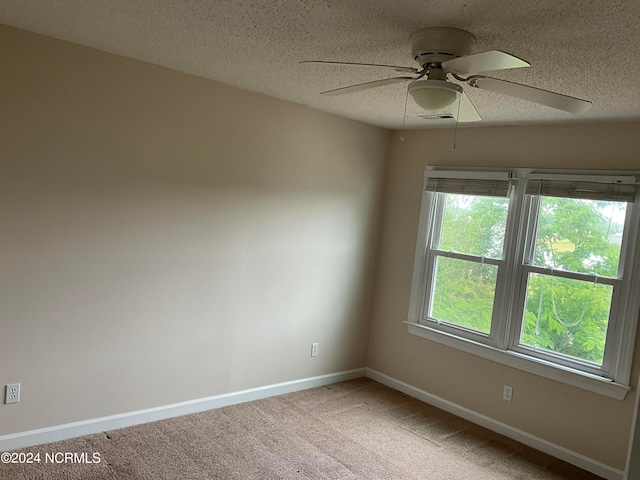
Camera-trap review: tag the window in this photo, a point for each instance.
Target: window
(532, 270)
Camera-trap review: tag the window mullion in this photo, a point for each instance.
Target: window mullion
(507, 320)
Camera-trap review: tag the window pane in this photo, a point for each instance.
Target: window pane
(567, 316)
(474, 224)
(463, 293)
(580, 235)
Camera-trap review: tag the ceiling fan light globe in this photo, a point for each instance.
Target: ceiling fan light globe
(434, 94)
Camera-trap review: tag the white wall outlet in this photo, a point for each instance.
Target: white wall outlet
(314, 349)
(12, 393)
(507, 393)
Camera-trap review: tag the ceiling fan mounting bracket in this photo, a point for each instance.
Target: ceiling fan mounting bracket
(436, 73)
(435, 45)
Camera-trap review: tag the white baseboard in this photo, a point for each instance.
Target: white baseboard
(113, 422)
(521, 436)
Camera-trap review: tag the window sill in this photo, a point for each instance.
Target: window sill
(576, 378)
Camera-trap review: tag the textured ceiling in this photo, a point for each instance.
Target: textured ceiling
(585, 48)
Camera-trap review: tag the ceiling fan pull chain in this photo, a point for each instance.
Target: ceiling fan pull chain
(404, 115)
(455, 130)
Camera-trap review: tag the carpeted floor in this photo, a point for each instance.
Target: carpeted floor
(351, 430)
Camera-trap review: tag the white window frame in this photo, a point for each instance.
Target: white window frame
(502, 343)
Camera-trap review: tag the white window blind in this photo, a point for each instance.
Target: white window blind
(449, 182)
(617, 189)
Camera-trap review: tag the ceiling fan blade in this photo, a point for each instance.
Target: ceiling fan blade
(532, 94)
(483, 62)
(395, 68)
(468, 112)
(366, 86)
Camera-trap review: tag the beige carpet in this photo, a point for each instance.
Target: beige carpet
(351, 430)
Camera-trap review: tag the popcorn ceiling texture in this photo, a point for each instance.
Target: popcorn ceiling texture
(584, 48)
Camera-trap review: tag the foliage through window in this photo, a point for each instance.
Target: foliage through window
(567, 315)
(537, 265)
(465, 285)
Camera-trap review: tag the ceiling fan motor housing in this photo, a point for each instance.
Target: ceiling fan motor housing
(437, 45)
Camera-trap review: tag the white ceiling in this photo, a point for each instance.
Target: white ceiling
(584, 48)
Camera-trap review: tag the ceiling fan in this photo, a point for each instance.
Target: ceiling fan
(444, 52)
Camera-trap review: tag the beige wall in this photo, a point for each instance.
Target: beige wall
(587, 423)
(166, 238)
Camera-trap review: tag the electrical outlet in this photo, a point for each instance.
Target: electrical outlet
(314, 349)
(12, 393)
(507, 393)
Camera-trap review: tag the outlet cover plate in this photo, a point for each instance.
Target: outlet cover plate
(507, 393)
(12, 393)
